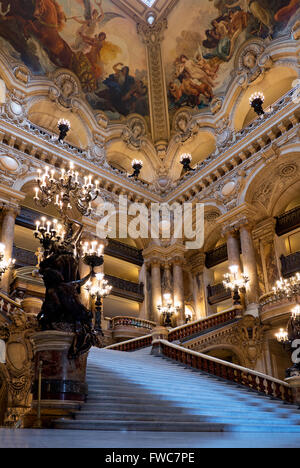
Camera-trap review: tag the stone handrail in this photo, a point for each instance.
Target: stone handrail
(7, 305)
(240, 375)
(130, 322)
(207, 323)
(132, 345)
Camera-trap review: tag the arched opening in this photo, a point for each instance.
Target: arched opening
(275, 84)
(46, 114)
(225, 354)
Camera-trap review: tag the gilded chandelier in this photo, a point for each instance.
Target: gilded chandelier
(66, 191)
(288, 288)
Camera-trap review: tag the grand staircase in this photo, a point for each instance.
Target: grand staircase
(140, 392)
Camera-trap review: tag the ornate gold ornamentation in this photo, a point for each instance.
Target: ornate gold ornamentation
(19, 365)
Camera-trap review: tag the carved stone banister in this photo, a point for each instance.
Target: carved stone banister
(288, 221)
(208, 323)
(253, 380)
(134, 322)
(132, 345)
(7, 306)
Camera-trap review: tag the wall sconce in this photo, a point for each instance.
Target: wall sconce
(186, 160)
(64, 126)
(4, 264)
(256, 102)
(137, 167)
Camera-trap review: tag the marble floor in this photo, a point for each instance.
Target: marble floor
(29, 438)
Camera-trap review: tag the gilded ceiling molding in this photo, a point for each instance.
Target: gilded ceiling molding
(152, 37)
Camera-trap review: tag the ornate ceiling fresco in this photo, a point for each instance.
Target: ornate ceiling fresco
(202, 41)
(107, 45)
(93, 39)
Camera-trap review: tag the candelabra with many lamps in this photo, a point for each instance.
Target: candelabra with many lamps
(137, 167)
(92, 254)
(66, 191)
(4, 264)
(236, 283)
(167, 311)
(49, 233)
(98, 292)
(256, 102)
(186, 160)
(290, 289)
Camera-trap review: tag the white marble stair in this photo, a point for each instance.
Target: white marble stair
(140, 392)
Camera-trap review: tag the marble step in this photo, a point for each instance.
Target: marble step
(212, 417)
(151, 426)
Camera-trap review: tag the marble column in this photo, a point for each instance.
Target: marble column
(199, 293)
(7, 237)
(156, 297)
(233, 248)
(249, 263)
(178, 289)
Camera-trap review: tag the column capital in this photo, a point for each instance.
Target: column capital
(197, 262)
(265, 231)
(243, 215)
(10, 208)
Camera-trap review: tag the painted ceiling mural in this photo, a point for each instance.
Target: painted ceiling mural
(91, 38)
(199, 54)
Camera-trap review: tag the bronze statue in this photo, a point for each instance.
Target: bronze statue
(62, 308)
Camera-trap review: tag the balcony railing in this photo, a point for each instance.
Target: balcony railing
(288, 221)
(126, 289)
(216, 256)
(217, 293)
(290, 264)
(131, 322)
(8, 306)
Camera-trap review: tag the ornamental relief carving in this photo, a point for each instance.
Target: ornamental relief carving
(66, 90)
(252, 63)
(134, 134)
(19, 364)
(247, 336)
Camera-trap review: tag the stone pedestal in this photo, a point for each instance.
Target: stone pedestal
(159, 333)
(63, 380)
(294, 382)
(32, 305)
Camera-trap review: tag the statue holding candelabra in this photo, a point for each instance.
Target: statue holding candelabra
(62, 308)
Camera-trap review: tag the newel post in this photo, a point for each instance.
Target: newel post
(159, 333)
(294, 383)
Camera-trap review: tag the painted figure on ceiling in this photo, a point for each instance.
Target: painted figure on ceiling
(199, 72)
(52, 33)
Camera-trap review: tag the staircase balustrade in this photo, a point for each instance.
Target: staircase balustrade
(130, 322)
(204, 324)
(240, 375)
(132, 345)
